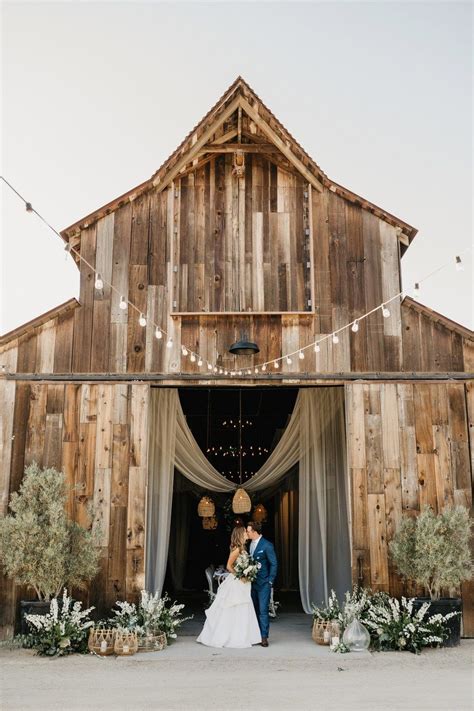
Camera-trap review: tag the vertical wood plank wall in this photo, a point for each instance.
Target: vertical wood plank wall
(97, 434)
(408, 446)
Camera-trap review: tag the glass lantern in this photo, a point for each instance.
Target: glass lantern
(356, 637)
(335, 633)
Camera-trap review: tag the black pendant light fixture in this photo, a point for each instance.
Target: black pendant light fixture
(244, 347)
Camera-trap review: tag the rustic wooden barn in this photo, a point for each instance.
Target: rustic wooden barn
(238, 232)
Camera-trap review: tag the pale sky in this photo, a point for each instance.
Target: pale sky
(96, 95)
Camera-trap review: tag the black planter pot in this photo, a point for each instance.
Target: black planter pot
(443, 606)
(31, 607)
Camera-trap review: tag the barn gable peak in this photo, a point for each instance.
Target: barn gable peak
(238, 123)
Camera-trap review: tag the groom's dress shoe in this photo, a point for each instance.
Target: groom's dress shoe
(264, 642)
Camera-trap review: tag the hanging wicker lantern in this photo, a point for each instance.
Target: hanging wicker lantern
(209, 523)
(241, 502)
(206, 507)
(259, 513)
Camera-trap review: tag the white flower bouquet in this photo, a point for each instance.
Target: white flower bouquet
(246, 568)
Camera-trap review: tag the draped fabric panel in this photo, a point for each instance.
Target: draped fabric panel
(161, 458)
(314, 438)
(322, 498)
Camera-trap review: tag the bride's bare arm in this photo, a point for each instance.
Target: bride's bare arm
(234, 554)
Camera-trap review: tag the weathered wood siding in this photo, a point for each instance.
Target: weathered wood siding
(96, 434)
(408, 445)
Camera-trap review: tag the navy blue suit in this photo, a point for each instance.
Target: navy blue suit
(264, 554)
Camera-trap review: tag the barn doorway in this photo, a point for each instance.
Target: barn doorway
(294, 439)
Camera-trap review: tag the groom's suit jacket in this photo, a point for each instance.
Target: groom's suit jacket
(264, 554)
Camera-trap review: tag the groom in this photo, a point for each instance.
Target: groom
(264, 553)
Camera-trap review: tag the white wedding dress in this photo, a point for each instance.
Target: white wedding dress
(231, 620)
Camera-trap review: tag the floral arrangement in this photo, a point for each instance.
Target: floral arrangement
(393, 625)
(326, 613)
(63, 630)
(396, 627)
(153, 614)
(246, 568)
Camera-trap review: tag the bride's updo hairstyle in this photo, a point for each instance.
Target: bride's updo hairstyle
(237, 538)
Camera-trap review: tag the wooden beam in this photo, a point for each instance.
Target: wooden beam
(263, 377)
(193, 152)
(287, 152)
(226, 137)
(244, 147)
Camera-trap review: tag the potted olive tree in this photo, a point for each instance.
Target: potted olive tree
(433, 550)
(40, 546)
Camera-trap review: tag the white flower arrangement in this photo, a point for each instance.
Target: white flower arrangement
(392, 624)
(62, 630)
(152, 615)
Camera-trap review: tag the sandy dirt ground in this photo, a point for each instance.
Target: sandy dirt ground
(293, 673)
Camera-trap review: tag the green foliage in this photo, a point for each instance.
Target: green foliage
(39, 545)
(433, 550)
(63, 630)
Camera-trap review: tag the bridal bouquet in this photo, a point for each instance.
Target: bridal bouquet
(246, 568)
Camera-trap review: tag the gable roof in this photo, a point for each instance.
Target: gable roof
(240, 98)
(39, 321)
(436, 317)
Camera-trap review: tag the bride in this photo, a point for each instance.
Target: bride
(231, 620)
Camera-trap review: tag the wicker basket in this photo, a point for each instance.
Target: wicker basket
(241, 502)
(101, 641)
(152, 642)
(209, 523)
(206, 507)
(126, 643)
(322, 632)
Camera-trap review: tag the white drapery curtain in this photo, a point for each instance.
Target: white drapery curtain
(314, 437)
(323, 521)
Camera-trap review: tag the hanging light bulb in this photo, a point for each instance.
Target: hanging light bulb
(169, 343)
(256, 370)
(99, 284)
(264, 367)
(288, 360)
(220, 371)
(215, 369)
(335, 338)
(355, 326)
(184, 350)
(158, 333)
(192, 358)
(209, 366)
(301, 355)
(416, 290)
(142, 320)
(317, 348)
(123, 304)
(276, 364)
(200, 362)
(385, 311)
(459, 264)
